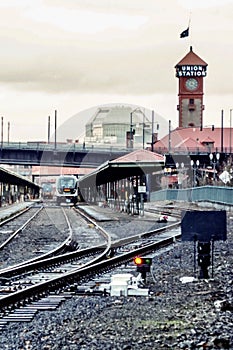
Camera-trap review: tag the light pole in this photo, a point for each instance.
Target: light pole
(131, 130)
(152, 130)
(8, 133)
(2, 131)
(48, 129)
(55, 133)
(180, 174)
(214, 161)
(194, 166)
(230, 128)
(131, 144)
(143, 131)
(222, 134)
(131, 126)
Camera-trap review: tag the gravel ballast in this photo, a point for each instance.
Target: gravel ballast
(194, 315)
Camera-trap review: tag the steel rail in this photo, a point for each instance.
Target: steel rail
(15, 233)
(46, 258)
(14, 216)
(48, 262)
(98, 265)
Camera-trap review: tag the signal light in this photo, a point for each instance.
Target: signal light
(138, 261)
(203, 248)
(143, 263)
(203, 253)
(203, 258)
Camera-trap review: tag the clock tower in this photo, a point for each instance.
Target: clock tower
(190, 71)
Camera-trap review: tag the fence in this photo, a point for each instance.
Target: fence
(215, 194)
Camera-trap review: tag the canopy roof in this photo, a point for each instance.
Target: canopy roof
(9, 177)
(136, 163)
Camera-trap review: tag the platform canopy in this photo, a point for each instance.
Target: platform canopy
(133, 164)
(9, 177)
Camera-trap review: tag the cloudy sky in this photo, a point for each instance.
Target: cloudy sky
(72, 55)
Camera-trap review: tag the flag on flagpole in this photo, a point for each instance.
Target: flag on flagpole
(185, 33)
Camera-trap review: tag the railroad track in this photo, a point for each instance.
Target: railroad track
(26, 275)
(13, 225)
(175, 209)
(24, 233)
(66, 277)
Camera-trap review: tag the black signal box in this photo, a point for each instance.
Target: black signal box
(143, 263)
(203, 225)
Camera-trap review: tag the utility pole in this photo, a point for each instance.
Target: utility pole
(49, 129)
(1, 132)
(8, 133)
(152, 131)
(230, 128)
(131, 130)
(169, 137)
(222, 131)
(55, 141)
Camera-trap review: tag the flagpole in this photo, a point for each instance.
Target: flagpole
(190, 31)
(185, 33)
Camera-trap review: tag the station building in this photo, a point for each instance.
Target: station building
(189, 145)
(194, 144)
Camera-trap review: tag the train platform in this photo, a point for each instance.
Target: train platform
(105, 213)
(99, 213)
(12, 209)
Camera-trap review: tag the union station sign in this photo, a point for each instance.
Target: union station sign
(191, 71)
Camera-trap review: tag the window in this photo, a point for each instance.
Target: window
(191, 106)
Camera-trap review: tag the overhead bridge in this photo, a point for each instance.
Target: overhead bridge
(65, 155)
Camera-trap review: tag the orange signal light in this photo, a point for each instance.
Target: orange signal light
(138, 261)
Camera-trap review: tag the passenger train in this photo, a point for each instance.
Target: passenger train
(67, 189)
(47, 190)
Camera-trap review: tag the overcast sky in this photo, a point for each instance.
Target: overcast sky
(71, 55)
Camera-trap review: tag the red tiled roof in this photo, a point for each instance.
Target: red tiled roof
(139, 155)
(189, 142)
(207, 139)
(195, 138)
(191, 59)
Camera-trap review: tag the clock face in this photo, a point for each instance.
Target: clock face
(191, 84)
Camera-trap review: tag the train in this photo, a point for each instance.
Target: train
(67, 190)
(47, 190)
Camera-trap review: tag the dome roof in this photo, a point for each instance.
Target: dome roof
(117, 115)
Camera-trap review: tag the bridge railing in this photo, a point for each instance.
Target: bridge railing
(43, 146)
(215, 194)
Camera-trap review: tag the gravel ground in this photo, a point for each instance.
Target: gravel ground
(47, 231)
(176, 316)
